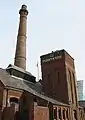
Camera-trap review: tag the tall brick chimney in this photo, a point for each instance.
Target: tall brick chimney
(20, 55)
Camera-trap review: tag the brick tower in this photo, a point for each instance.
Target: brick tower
(58, 78)
(20, 55)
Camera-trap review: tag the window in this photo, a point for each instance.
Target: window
(70, 80)
(74, 85)
(49, 79)
(55, 113)
(63, 113)
(75, 114)
(59, 113)
(58, 74)
(67, 113)
(14, 100)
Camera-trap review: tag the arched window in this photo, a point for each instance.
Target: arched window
(63, 113)
(55, 113)
(74, 85)
(75, 114)
(70, 80)
(67, 113)
(14, 100)
(59, 113)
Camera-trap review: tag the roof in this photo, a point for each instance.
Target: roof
(82, 103)
(18, 83)
(21, 73)
(59, 52)
(19, 69)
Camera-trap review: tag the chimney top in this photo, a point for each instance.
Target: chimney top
(23, 9)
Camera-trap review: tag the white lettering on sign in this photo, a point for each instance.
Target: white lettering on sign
(50, 59)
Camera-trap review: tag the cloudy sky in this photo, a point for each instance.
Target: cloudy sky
(52, 25)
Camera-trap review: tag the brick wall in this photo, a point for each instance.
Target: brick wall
(8, 113)
(41, 113)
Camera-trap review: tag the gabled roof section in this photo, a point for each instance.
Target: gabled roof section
(4, 77)
(21, 73)
(17, 83)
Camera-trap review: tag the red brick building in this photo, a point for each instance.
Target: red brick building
(55, 98)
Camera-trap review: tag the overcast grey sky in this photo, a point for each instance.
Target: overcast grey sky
(52, 25)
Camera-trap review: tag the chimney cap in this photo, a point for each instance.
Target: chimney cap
(23, 8)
